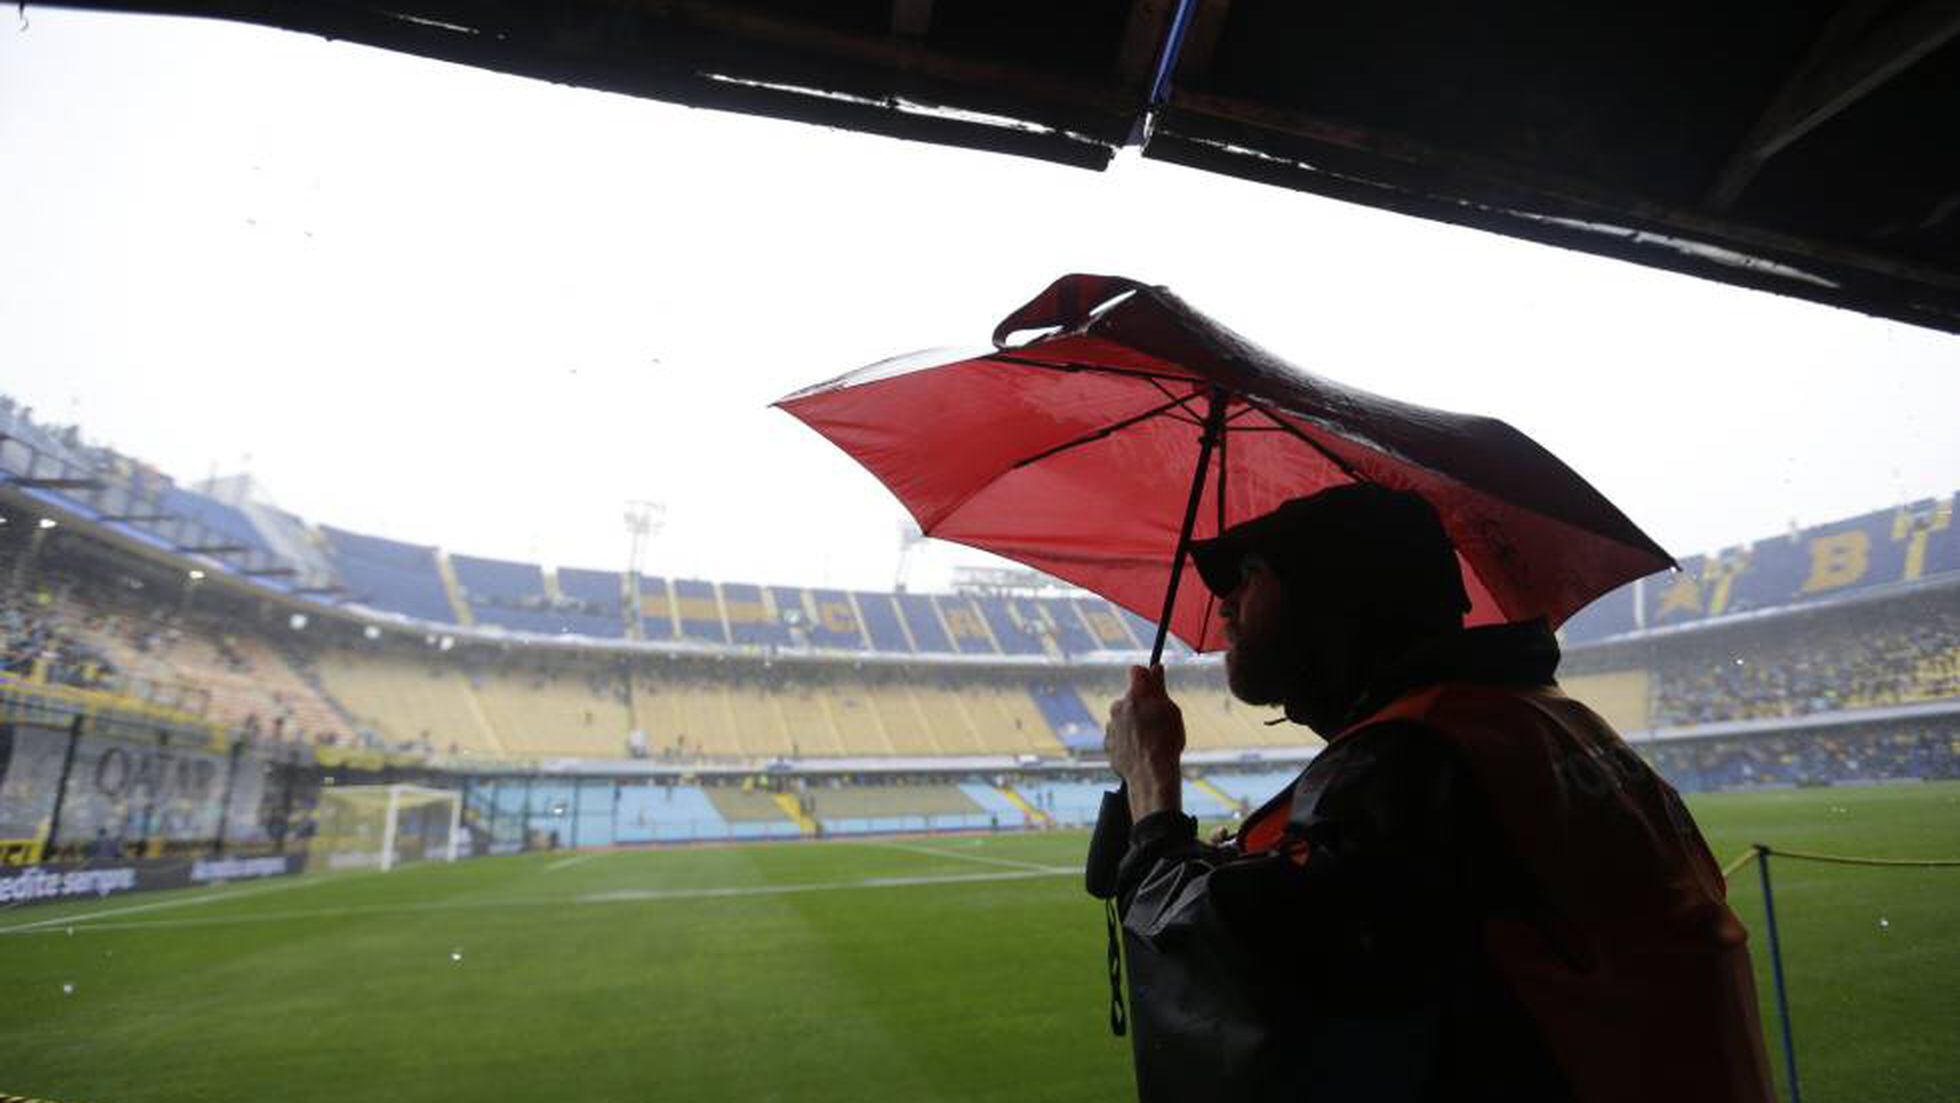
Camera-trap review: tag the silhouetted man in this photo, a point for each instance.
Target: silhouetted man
(1475, 892)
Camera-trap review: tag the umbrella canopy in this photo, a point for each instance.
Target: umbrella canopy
(1074, 452)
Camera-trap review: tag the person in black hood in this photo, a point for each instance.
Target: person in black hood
(1354, 939)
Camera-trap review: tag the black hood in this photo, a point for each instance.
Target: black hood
(1523, 653)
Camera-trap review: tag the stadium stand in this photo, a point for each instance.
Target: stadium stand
(113, 636)
(1862, 754)
(504, 594)
(1064, 712)
(699, 610)
(656, 609)
(834, 621)
(1065, 803)
(882, 624)
(1012, 626)
(1111, 631)
(1826, 656)
(592, 602)
(498, 582)
(928, 631)
(551, 710)
(390, 576)
(1213, 718)
(857, 809)
(1860, 555)
(1065, 628)
(1624, 697)
(667, 813)
(1859, 657)
(995, 804)
(1204, 800)
(420, 702)
(1250, 788)
(226, 520)
(965, 626)
(553, 813)
(752, 619)
(478, 703)
(752, 812)
(43, 644)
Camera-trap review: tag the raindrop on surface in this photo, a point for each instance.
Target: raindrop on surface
(67, 988)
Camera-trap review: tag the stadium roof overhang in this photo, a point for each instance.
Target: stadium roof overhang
(1803, 147)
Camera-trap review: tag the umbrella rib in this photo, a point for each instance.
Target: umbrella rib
(1113, 427)
(1166, 392)
(1098, 369)
(1160, 388)
(1294, 430)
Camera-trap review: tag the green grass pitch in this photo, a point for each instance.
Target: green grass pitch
(918, 969)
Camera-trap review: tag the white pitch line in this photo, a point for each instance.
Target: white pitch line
(566, 863)
(937, 853)
(620, 896)
(283, 883)
(626, 895)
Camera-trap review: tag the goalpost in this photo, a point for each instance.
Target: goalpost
(383, 826)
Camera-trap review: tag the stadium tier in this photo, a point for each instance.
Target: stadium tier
(223, 529)
(546, 706)
(400, 578)
(1888, 548)
(411, 649)
(93, 617)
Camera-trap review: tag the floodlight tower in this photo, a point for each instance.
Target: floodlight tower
(644, 520)
(909, 538)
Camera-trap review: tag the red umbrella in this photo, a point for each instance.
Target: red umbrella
(1097, 450)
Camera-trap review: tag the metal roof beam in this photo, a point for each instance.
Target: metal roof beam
(1844, 66)
(1143, 41)
(1302, 151)
(84, 483)
(1201, 40)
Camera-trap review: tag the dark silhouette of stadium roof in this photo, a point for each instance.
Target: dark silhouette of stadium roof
(1797, 146)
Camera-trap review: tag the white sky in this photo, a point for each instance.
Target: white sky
(465, 309)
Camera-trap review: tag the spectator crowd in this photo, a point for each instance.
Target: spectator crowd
(1887, 654)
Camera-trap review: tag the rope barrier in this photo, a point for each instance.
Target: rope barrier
(1762, 853)
(1744, 858)
(1849, 860)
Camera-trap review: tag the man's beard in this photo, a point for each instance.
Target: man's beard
(1259, 675)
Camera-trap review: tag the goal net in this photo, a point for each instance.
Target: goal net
(384, 826)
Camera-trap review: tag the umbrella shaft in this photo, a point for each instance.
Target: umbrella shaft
(1213, 432)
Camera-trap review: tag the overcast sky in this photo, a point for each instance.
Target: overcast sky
(465, 309)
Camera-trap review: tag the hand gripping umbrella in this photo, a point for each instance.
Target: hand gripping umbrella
(1129, 424)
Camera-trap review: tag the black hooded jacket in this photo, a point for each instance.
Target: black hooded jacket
(1357, 975)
